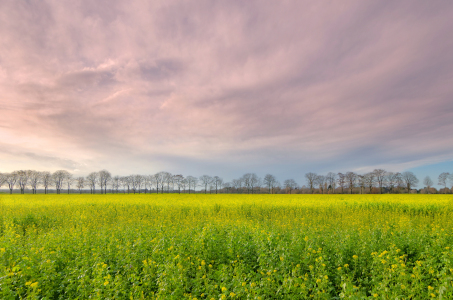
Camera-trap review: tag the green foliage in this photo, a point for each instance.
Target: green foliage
(226, 247)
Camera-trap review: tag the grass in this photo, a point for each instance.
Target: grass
(226, 246)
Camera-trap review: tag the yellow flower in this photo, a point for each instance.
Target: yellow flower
(106, 282)
(243, 284)
(430, 287)
(224, 289)
(306, 238)
(355, 256)
(232, 294)
(346, 265)
(34, 284)
(375, 295)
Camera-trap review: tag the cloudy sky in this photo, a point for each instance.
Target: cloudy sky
(226, 87)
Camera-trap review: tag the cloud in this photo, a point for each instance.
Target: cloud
(282, 86)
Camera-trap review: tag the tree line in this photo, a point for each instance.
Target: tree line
(377, 181)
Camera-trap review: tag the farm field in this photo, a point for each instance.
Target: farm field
(226, 246)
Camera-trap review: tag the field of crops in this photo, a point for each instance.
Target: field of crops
(226, 247)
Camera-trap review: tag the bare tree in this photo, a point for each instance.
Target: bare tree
(362, 182)
(311, 180)
(211, 186)
(227, 186)
(370, 180)
(237, 183)
(148, 182)
(159, 180)
(192, 182)
(80, 183)
(184, 184)
(410, 180)
(124, 181)
(390, 181)
(116, 183)
(46, 179)
(34, 180)
(133, 182)
(351, 180)
(269, 181)
(139, 181)
(22, 180)
(11, 179)
(428, 182)
(68, 180)
(400, 182)
(178, 179)
(104, 178)
(341, 179)
(217, 181)
(246, 181)
(168, 179)
(379, 174)
(442, 180)
(321, 181)
(451, 180)
(255, 182)
(331, 180)
(58, 178)
(290, 184)
(92, 180)
(2, 179)
(205, 181)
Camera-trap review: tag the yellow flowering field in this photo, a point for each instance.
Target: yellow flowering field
(226, 246)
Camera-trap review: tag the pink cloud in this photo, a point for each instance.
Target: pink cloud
(245, 84)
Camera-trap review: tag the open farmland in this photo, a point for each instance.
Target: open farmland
(226, 246)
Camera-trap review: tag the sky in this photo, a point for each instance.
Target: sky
(226, 87)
